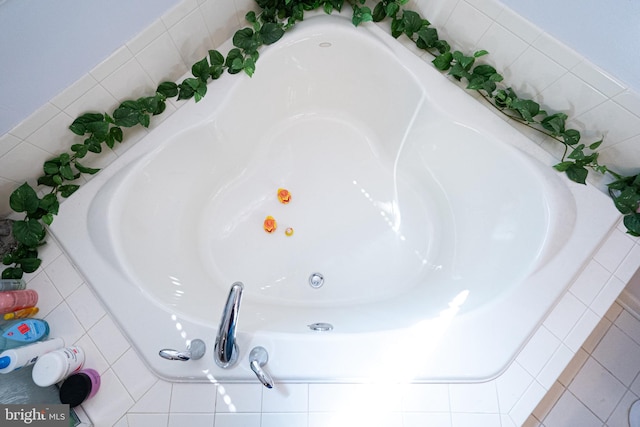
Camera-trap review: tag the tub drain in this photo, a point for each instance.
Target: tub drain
(321, 327)
(316, 280)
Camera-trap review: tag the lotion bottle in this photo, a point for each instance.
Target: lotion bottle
(57, 365)
(21, 332)
(16, 300)
(14, 359)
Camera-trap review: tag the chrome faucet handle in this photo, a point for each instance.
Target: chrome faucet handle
(258, 358)
(195, 350)
(225, 350)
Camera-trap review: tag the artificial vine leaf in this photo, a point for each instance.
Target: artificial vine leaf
(554, 123)
(68, 190)
(84, 169)
(271, 33)
(412, 22)
(201, 69)
(29, 265)
(12, 273)
(443, 61)
(216, 58)
(632, 222)
(427, 38)
(245, 40)
(49, 203)
(571, 137)
(24, 199)
(168, 89)
(627, 200)
(29, 232)
(81, 124)
(577, 173)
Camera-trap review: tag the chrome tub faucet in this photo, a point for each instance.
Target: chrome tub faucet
(225, 351)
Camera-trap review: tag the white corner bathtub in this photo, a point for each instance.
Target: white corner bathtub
(443, 235)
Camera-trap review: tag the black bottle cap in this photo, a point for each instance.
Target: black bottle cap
(75, 389)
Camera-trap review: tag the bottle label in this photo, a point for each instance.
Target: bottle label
(27, 331)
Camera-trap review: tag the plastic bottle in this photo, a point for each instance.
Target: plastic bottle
(57, 365)
(79, 387)
(14, 359)
(16, 300)
(12, 284)
(22, 313)
(22, 332)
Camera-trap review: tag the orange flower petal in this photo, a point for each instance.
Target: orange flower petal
(284, 196)
(270, 224)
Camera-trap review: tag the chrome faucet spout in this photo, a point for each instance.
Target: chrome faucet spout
(226, 350)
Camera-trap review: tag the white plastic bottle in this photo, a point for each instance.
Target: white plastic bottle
(57, 365)
(17, 358)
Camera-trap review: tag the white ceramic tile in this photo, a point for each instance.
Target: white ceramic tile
(239, 398)
(191, 37)
(565, 315)
(629, 265)
(503, 46)
(598, 78)
(156, 400)
(538, 350)
(237, 420)
(23, 162)
(570, 95)
(425, 398)
(369, 418)
(146, 37)
(32, 123)
(116, 60)
(557, 51)
(286, 398)
(475, 420)
(92, 357)
(109, 340)
(582, 330)
(423, 419)
(86, 306)
(179, 12)
(122, 422)
(48, 295)
(191, 420)
(352, 397)
(194, 397)
(64, 275)
(466, 26)
(629, 100)
(63, 324)
(437, 13)
(597, 389)
(612, 121)
(532, 72)
(7, 142)
(518, 25)
(511, 385)
(129, 81)
(590, 282)
(527, 403)
(624, 156)
(97, 99)
(221, 19)
(569, 411)
(478, 398)
(54, 136)
(284, 419)
(161, 60)
(552, 370)
(490, 8)
(75, 91)
(147, 420)
(607, 296)
(619, 354)
(110, 403)
(134, 374)
(49, 252)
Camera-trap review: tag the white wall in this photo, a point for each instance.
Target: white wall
(46, 46)
(605, 32)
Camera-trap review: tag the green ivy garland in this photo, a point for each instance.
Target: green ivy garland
(267, 27)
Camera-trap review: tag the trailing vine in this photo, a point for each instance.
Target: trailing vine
(60, 174)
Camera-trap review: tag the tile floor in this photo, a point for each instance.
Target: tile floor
(601, 382)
